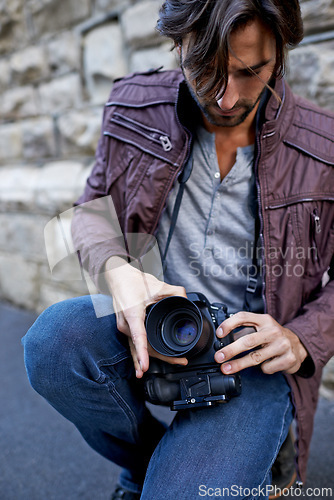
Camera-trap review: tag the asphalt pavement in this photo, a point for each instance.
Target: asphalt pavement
(43, 457)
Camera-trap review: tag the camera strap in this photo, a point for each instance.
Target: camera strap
(253, 294)
(183, 177)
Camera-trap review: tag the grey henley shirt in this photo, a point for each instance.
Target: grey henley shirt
(211, 248)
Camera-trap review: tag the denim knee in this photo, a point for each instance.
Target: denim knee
(55, 347)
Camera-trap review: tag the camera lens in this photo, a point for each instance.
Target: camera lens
(174, 327)
(180, 329)
(184, 332)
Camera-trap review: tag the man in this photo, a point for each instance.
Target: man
(261, 180)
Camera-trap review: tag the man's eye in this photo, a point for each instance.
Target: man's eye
(250, 74)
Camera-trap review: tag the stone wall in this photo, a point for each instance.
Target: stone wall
(58, 59)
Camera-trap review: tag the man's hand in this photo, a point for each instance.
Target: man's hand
(272, 346)
(132, 291)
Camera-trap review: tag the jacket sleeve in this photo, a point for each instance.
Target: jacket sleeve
(96, 230)
(315, 327)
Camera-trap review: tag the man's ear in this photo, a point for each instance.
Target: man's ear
(178, 48)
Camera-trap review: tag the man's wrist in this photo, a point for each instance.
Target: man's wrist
(114, 262)
(307, 368)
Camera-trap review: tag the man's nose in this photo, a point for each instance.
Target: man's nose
(230, 96)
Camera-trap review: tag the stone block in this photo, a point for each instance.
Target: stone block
(50, 16)
(59, 184)
(46, 190)
(145, 59)
(53, 293)
(13, 31)
(107, 5)
(19, 280)
(139, 22)
(12, 7)
(23, 234)
(4, 75)
(62, 257)
(11, 146)
(63, 54)
(62, 276)
(19, 102)
(28, 65)
(63, 266)
(79, 131)
(311, 73)
(17, 187)
(38, 138)
(61, 93)
(104, 60)
(318, 15)
(66, 271)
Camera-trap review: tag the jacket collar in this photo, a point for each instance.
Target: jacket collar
(278, 115)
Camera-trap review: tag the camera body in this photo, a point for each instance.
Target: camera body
(186, 327)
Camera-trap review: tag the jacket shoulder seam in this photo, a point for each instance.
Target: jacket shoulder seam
(310, 131)
(320, 126)
(314, 130)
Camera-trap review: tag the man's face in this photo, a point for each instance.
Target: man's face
(252, 45)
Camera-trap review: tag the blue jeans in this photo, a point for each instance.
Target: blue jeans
(82, 366)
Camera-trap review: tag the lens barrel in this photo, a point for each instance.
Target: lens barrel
(174, 327)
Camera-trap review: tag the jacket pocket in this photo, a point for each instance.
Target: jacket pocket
(315, 229)
(124, 160)
(321, 239)
(153, 141)
(152, 134)
(303, 232)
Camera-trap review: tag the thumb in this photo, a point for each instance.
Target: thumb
(139, 343)
(139, 372)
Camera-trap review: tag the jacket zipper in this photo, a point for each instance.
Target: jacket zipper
(261, 237)
(152, 134)
(316, 229)
(316, 219)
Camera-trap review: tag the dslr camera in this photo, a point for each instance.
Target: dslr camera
(186, 327)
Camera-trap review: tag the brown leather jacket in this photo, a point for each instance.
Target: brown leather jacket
(146, 139)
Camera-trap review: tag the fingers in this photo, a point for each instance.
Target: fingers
(132, 291)
(244, 318)
(272, 346)
(287, 363)
(136, 326)
(139, 372)
(139, 340)
(167, 359)
(137, 355)
(132, 324)
(253, 342)
(255, 357)
(166, 291)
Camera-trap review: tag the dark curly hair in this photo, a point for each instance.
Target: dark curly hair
(210, 23)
